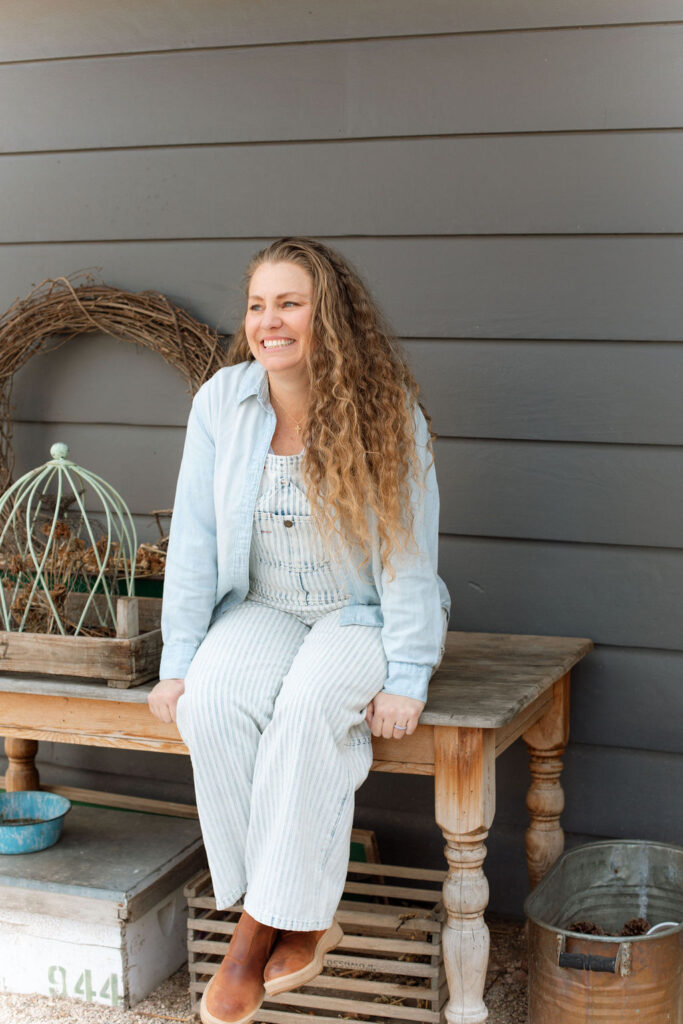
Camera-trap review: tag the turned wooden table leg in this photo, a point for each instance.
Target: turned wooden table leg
(546, 741)
(465, 801)
(21, 768)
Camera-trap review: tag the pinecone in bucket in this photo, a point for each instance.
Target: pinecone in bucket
(636, 926)
(586, 928)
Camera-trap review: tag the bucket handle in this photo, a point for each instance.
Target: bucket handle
(619, 964)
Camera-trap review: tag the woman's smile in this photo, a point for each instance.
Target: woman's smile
(277, 342)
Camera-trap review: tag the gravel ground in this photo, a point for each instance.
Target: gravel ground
(505, 993)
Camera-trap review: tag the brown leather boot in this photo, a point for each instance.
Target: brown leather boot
(236, 991)
(298, 958)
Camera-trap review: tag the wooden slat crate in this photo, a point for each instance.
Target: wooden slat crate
(128, 659)
(388, 967)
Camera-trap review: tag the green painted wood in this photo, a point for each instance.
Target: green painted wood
(573, 80)
(80, 27)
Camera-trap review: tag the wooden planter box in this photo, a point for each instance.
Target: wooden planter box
(388, 968)
(130, 658)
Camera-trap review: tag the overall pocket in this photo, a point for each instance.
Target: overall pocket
(291, 542)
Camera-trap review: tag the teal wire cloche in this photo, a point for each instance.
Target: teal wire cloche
(67, 548)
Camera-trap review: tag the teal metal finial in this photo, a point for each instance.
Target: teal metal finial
(59, 450)
(49, 549)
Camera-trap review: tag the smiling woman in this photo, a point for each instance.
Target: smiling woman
(278, 329)
(302, 608)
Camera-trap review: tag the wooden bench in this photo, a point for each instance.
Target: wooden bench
(490, 689)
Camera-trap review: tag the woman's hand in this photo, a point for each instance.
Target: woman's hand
(386, 710)
(164, 697)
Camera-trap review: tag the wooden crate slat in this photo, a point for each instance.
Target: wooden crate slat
(395, 871)
(418, 923)
(130, 661)
(197, 885)
(363, 943)
(388, 988)
(149, 609)
(378, 1010)
(383, 906)
(375, 944)
(208, 924)
(377, 966)
(396, 967)
(395, 891)
(320, 1002)
(282, 1017)
(332, 981)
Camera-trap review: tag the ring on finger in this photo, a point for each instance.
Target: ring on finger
(400, 726)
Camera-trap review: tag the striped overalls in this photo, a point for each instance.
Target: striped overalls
(274, 717)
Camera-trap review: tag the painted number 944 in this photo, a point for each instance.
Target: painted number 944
(84, 988)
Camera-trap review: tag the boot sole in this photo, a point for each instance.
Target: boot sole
(208, 1018)
(286, 982)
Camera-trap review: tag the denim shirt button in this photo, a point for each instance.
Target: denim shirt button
(288, 522)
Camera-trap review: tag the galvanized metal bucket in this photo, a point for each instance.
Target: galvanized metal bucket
(581, 979)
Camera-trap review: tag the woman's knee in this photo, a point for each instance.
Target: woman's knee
(214, 709)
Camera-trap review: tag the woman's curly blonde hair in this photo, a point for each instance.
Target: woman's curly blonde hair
(359, 447)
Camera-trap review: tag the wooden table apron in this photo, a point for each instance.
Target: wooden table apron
(491, 688)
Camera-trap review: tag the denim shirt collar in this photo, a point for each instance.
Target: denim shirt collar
(254, 382)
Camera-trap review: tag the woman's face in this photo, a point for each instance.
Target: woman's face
(278, 321)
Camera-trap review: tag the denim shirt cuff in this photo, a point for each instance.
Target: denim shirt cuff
(406, 679)
(175, 660)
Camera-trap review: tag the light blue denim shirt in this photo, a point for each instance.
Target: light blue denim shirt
(229, 431)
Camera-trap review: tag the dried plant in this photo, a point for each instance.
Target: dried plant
(69, 566)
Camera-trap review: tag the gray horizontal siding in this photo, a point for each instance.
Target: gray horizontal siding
(85, 27)
(524, 390)
(614, 78)
(621, 596)
(628, 698)
(93, 378)
(617, 595)
(602, 785)
(142, 464)
(620, 288)
(553, 390)
(592, 494)
(595, 494)
(547, 184)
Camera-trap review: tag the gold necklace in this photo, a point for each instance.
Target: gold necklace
(297, 422)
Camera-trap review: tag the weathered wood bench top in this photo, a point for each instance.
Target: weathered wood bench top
(484, 680)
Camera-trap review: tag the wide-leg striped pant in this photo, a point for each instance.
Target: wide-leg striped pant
(274, 717)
